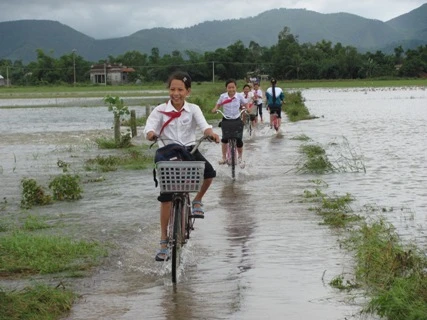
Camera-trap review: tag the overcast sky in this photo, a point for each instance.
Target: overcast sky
(103, 19)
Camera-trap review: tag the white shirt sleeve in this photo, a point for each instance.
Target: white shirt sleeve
(153, 122)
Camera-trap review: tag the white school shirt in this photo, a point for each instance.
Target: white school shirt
(180, 130)
(231, 109)
(249, 99)
(259, 93)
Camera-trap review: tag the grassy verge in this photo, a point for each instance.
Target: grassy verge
(25, 251)
(316, 160)
(393, 275)
(204, 88)
(39, 302)
(133, 158)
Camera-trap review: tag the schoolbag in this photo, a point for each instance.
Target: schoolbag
(171, 152)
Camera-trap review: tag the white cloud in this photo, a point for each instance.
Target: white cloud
(111, 18)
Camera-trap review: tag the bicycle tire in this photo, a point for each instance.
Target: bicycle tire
(276, 121)
(232, 143)
(176, 238)
(188, 221)
(249, 124)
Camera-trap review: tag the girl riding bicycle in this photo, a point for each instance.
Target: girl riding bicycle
(248, 95)
(275, 99)
(176, 121)
(258, 96)
(232, 102)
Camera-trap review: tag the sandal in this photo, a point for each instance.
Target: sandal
(197, 212)
(163, 253)
(223, 161)
(242, 163)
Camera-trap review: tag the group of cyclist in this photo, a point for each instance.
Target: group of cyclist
(251, 99)
(176, 121)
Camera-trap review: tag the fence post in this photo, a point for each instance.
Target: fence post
(147, 111)
(133, 123)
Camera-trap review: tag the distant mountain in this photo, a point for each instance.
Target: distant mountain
(20, 39)
(412, 24)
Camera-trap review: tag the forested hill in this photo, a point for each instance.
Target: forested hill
(21, 39)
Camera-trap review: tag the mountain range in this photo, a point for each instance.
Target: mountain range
(21, 38)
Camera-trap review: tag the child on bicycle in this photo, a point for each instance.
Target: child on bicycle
(176, 121)
(258, 96)
(248, 96)
(231, 102)
(275, 99)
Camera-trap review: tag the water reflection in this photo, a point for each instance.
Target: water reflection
(240, 225)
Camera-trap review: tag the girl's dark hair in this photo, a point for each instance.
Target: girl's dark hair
(230, 81)
(180, 75)
(273, 88)
(246, 85)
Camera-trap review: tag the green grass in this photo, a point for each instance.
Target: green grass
(315, 160)
(38, 301)
(295, 108)
(204, 88)
(393, 275)
(33, 222)
(134, 158)
(29, 253)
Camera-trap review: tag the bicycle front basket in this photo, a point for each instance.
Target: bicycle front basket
(232, 128)
(180, 176)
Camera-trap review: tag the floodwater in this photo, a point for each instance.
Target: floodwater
(260, 253)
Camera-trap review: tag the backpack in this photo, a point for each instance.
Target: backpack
(171, 152)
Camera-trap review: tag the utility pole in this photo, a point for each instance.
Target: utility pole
(74, 65)
(105, 73)
(7, 75)
(213, 71)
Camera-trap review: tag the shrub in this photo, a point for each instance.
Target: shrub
(66, 187)
(33, 194)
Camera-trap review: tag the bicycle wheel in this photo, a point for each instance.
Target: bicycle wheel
(233, 150)
(275, 122)
(176, 237)
(188, 221)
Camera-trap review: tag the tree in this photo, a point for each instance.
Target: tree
(45, 70)
(117, 106)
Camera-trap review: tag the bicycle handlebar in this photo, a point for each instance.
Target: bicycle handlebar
(227, 117)
(207, 138)
(196, 146)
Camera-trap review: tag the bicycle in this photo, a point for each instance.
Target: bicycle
(275, 121)
(180, 178)
(247, 122)
(232, 130)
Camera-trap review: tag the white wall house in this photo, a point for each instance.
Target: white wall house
(113, 74)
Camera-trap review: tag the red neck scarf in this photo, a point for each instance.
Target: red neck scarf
(227, 101)
(172, 115)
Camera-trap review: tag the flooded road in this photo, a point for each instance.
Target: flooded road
(260, 253)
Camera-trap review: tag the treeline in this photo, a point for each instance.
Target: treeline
(286, 60)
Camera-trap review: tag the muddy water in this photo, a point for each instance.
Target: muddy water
(259, 253)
